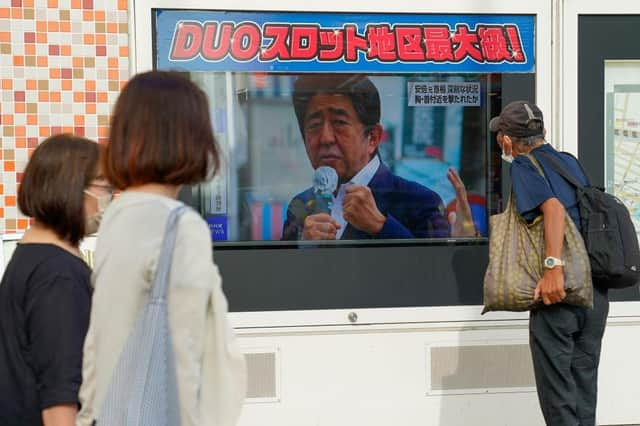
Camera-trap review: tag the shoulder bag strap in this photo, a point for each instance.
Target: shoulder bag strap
(163, 268)
(555, 165)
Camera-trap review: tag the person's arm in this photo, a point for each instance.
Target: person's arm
(87, 393)
(461, 220)
(551, 286)
(60, 415)
(195, 281)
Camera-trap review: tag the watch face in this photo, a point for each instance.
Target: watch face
(548, 263)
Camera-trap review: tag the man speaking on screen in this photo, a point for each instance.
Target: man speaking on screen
(339, 118)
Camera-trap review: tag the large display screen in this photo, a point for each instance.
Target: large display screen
(343, 128)
(347, 156)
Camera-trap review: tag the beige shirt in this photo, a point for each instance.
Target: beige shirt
(211, 370)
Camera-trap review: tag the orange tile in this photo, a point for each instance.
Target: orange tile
(78, 120)
(87, 15)
(5, 12)
(41, 26)
(89, 39)
(1, 212)
(67, 84)
(41, 37)
(27, 3)
(44, 131)
(90, 109)
(77, 62)
(9, 166)
(78, 97)
(19, 107)
(16, 13)
(5, 36)
(103, 131)
(18, 61)
(101, 39)
(112, 74)
(53, 27)
(54, 73)
(32, 119)
(65, 27)
(90, 85)
(21, 142)
(55, 97)
(122, 84)
(20, 131)
(100, 15)
(10, 200)
(32, 84)
(52, 4)
(43, 61)
(1, 188)
(112, 62)
(124, 51)
(43, 96)
(76, 4)
(67, 129)
(103, 97)
(65, 50)
(29, 49)
(122, 4)
(7, 84)
(112, 27)
(7, 119)
(23, 223)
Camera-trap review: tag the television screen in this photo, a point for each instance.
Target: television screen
(348, 157)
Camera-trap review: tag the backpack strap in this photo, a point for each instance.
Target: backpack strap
(555, 165)
(163, 268)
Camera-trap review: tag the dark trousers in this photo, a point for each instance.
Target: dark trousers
(565, 346)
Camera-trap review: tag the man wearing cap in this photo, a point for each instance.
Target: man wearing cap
(339, 118)
(565, 340)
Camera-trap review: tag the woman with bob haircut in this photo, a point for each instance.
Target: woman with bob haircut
(161, 139)
(45, 295)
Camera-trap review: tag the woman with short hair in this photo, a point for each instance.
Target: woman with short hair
(161, 139)
(45, 293)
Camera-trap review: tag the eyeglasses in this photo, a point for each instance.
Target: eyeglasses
(106, 188)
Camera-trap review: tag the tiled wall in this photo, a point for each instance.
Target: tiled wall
(62, 64)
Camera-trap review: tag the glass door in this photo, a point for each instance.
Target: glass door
(609, 110)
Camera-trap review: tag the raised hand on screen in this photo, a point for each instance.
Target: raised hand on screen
(461, 220)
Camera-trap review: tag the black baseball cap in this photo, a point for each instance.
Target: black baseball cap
(516, 118)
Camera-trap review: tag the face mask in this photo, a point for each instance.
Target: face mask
(93, 222)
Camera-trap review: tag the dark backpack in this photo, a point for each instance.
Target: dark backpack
(608, 233)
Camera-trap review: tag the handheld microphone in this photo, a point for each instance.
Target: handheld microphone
(325, 182)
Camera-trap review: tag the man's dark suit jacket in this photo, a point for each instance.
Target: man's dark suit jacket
(412, 210)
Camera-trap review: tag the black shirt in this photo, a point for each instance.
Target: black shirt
(45, 299)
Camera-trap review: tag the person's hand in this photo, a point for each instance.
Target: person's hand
(551, 287)
(320, 226)
(360, 210)
(461, 220)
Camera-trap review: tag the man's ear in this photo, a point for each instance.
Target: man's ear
(507, 145)
(375, 137)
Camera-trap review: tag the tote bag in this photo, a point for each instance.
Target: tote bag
(516, 254)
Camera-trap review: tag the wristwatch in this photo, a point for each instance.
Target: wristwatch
(551, 262)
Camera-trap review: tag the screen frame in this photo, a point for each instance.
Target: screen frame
(142, 43)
